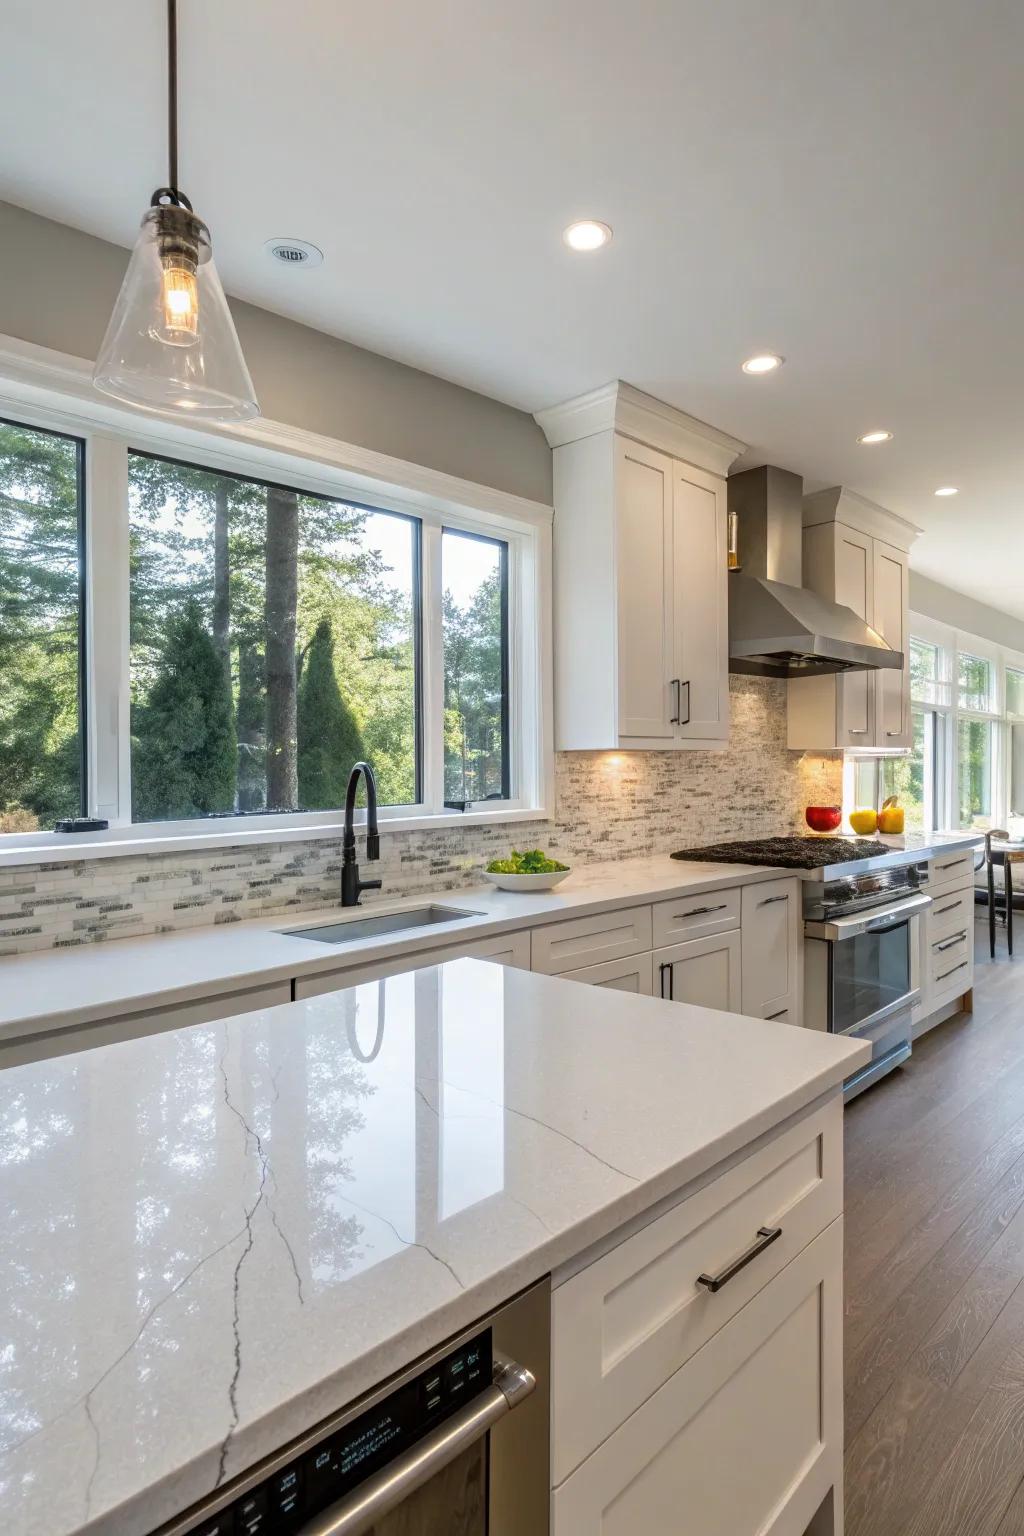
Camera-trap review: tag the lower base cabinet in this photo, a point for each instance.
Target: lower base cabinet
(635, 974)
(746, 1438)
(704, 972)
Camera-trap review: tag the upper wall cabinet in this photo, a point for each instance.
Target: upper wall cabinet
(856, 553)
(640, 588)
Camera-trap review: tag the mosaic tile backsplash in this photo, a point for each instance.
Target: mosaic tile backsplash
(607, 805)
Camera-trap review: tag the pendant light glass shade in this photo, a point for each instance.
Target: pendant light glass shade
(171, 344)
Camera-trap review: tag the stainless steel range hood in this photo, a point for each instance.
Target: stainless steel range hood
(777, 628)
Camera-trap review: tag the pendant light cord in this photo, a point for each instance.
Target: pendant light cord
(172, 91)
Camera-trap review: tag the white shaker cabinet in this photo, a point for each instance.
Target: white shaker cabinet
(704, 972)
(640, 580)
(771, 982)
(855, 553)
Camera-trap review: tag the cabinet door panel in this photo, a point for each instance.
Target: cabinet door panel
(632, 975)
(705, 972)
(744, 1440)
(892, 689)
(771, 917)
(700, 597)
(854, 588)
(644, 554)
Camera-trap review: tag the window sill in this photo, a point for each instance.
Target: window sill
(125, 842)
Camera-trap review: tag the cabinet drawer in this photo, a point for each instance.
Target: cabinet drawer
(951, 869)
(635, 974)
(624, 1325)
(584, 941)
(948, 951)
(771, 948)
(951, 912)
(692, 916)
(952, 972)
(743, 1440)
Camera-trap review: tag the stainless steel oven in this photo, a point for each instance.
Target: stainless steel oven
(458, 1444)
(862, 970)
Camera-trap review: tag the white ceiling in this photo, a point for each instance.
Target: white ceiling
(836, 180)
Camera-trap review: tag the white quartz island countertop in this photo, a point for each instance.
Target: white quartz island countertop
(216, 1236)
(61, 989)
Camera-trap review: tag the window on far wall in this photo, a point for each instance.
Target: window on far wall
(474, 578)
(41, 625)
(976, 677)
(273, 645)
(975, 770)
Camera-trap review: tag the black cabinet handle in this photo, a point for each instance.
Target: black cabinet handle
(700, 911)
(685, 685)
(957, 938)
(765, 1237)
(677, 685)
(951, 908)
(668, 996)
(780, 1015)
(768, 900)
(961, 967)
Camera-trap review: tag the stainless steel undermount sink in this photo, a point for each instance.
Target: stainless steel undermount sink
(373, 927)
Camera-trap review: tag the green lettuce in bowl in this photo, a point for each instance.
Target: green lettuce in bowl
(529, 871)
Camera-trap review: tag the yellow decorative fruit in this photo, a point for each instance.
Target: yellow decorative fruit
(864, 821)
(890, 817)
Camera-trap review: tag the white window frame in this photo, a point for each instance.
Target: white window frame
(53, 392)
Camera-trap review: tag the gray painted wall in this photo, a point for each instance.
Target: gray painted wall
(58, 289)
(966, 613)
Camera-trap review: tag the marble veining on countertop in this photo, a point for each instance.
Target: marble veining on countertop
(218, 1235)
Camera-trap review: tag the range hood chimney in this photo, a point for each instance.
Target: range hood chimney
(777, 628)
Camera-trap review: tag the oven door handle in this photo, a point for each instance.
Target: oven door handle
(383, 1492)
(868, 922)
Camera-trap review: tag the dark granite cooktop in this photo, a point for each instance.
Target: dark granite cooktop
(787, 852)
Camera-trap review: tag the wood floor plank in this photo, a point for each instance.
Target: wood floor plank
(873, 1360)
(935, 1281)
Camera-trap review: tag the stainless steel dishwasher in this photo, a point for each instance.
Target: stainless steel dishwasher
(457, 1445)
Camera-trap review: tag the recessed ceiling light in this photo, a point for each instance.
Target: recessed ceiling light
(587, 235)
(294, 253)
(947, 490)
(875, 437)
(764, 362)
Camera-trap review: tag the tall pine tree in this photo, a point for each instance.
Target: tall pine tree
(329, 739)
(184, 763)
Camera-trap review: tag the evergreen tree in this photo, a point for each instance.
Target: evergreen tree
(329, 739)
(184, 763)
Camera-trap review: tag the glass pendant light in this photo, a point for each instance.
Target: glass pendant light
(171, 344)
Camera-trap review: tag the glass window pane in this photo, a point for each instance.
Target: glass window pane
(40, 628)
(906, 777)
(1014, 691)
(273, 644)
(865, 783)
(927, 684)
(1016, 787)
(977, 678)
(474, 578)
(975, 759)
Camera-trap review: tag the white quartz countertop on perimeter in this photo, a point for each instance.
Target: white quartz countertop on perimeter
(59, 989)
(218, 1235)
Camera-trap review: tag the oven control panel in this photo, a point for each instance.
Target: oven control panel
(343, 1457)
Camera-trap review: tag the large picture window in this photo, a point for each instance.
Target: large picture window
(41, 657)
(273, 645)
(201, 634)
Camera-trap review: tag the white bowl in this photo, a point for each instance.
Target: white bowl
(528, 882)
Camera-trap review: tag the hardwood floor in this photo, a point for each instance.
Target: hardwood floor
(935, 1278)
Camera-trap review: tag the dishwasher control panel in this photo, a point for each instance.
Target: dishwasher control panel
(347, 1454)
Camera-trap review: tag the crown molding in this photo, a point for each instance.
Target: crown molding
(838, 504)
(621, 407)
(56, 381)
